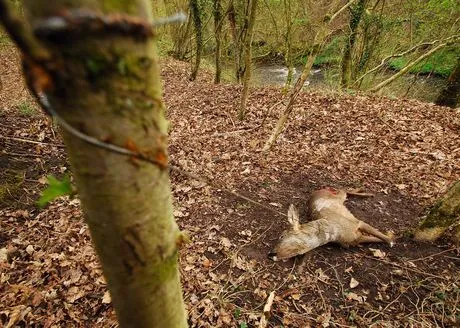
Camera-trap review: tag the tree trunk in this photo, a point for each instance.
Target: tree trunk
(105, 82)
(236, 41)
(356, 13)
(443, 215)
(218, 35)
(248, 58)
(450, 94)
(196, 15)
(288, 40)
(180, 33)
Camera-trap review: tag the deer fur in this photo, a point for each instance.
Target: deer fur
(332, 222)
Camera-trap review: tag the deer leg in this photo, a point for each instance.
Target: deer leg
(368, 239)
(366, 228)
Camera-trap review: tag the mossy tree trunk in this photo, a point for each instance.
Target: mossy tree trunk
(237, 35)
(288, 41)
(442, 216)
(450, 94)
(180, 33)
(356, 12)
(218, 24)
(198, 23)
(247, 53)
(107, 85)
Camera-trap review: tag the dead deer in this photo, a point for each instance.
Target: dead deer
(332, 222)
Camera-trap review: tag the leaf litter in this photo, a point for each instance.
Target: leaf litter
(405, 152)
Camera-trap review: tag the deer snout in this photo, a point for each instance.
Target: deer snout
(272, 256)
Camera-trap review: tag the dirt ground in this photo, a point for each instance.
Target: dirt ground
(404, 152)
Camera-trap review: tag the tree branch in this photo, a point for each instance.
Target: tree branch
(410, 65)
(338, 12)
(384, 60)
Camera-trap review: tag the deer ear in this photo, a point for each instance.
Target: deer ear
(293, 217)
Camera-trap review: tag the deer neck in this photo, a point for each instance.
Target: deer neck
(319, 232)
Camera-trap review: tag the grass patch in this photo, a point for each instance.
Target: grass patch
(26, 109)
(440, 63)
(332, 52)
(4, 39)
(9, 187)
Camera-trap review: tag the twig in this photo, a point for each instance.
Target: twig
(436, 254)
(405, 268)
(21, 155)
(32, 141)
(265, 315)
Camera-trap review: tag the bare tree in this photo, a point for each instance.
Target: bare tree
(288, 42)
(198, 23)
(247, 53)
(218, 23)
(108, 88)
(356, 12)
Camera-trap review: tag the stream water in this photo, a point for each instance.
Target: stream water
(420, 87)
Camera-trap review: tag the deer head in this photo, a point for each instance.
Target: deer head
(297, 239)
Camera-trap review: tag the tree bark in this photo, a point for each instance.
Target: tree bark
(180, 33)
(106, 84)
(232, 14)
(443, 215)
(248, 58)
(218, 35)
(356, 12)
(450, 94)
(288, 40)
(196, 15)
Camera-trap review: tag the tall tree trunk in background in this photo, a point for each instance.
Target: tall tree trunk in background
(450, 94)
(248, 57)
(356, 13)
(218, 24)
(104, 80)
(318, 44)
(232, 14)
(288, 40)
(180, 33)
(196, 16)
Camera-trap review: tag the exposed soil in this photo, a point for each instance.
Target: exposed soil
(404, 152)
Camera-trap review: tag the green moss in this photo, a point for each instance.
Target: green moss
(331, 54)
(446, 211)
(162, 272)
(26, 109)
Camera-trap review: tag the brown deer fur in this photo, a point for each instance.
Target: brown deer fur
(333, 222)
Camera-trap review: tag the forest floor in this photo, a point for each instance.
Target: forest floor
(404, 152)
